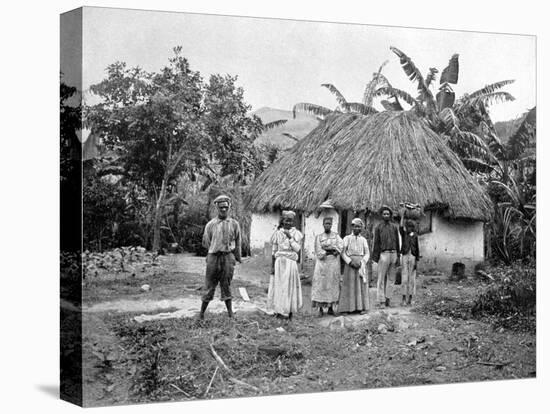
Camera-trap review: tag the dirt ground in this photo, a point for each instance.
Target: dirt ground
(142, 346)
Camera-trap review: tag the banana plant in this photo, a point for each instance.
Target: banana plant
(453, 118)
(364, 107)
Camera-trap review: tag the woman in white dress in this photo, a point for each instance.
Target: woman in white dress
(354, 294)
(325, 287)
(284, 295)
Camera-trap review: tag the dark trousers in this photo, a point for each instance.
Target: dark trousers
(219, 269)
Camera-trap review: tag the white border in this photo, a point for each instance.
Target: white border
(29, 282)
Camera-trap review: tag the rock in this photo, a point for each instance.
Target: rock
(440, 368)
(145, 288)
(337, 323)
(272, 350)
(402, 325)
(382, 328)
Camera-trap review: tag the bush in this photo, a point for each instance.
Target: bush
(512, 298)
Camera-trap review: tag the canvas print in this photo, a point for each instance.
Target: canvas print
(255, 206)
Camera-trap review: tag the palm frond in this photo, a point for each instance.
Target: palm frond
(391, 106)
(494, 143)
(432, 74)
(309, 108)
(493, 87)
(490, 98)
(288, 135)
(339, 97)
(408, 66)
(394, 92)
(449, 119)
(450, 73)
(274, 124)
(445, 98)
(359, 107)
(377, 80)
(414, 75)
(477, 165)
(470, 145)
(511, 191)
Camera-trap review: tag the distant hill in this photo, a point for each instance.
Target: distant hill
(299, 127)
(505, 129)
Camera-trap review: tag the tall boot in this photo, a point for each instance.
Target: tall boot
(204, 305)
(229, 308)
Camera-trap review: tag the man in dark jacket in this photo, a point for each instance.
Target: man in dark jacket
(386, 253)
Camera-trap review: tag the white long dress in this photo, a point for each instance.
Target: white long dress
(325, 287)
(354, 293)
(285, 291)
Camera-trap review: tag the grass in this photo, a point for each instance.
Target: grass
(165, 360)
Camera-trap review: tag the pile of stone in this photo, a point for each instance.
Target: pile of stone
(122, 259)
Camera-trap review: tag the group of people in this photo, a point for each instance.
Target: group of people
(348, 292)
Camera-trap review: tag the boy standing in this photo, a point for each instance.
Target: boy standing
(410, 255)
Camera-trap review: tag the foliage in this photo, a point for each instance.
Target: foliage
(271, 152)
(508, 300)
(514, 195)
(365, 107)
(169, 125)
(514, 225)
(232, 131)
(103, 208)
(511, 298)
(464, 123)
(69, 123)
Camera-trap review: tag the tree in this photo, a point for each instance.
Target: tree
(465, 123)
(514, 193)
(169, 125)
(69, 123)
(365, 107)
(154, 121)
(231, 130)
(70, 167)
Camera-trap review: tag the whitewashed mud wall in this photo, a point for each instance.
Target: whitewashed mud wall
(451, 241)
(262, 227)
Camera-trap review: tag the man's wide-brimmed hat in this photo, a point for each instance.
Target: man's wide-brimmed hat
(357, 221)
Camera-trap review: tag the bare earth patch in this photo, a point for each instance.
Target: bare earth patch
(131, 354)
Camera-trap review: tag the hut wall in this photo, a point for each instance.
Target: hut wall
(451, 241)
(262, 227)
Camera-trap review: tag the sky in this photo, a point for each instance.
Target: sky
(283, 62)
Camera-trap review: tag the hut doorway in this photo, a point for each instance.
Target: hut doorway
(299, 223)
(344, 228)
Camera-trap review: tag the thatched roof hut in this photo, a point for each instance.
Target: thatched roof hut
(362, 162)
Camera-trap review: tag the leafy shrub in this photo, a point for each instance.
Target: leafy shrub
(511, 300)
(514, 292)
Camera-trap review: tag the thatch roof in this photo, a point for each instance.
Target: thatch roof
(362, 162)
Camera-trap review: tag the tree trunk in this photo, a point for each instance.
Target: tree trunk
(158, 216)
